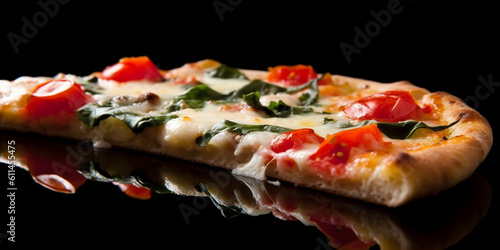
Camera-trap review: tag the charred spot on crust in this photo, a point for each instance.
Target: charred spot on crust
(403, 159)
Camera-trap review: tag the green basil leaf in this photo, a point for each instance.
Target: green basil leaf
(275, 109)
(237, 128)
(226, 211)
(225, 72)
(197, 96)
(310, 96)
(393, 130)
(252, 99)
(92, 114)
(404, 130)
(140, 122)
(263, 88)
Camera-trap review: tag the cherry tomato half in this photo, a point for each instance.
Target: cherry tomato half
(334, 152)
(132, 69)
(55, 98)
(294, 139)
(291, 75)
(389, 106)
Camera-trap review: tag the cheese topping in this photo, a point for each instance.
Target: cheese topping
(182, 117)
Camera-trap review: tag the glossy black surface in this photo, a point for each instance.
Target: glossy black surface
(440, 46)
(185, 197)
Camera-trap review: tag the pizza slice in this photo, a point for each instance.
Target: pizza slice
(383, 143)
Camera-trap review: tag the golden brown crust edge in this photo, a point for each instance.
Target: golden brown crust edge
(444, 165)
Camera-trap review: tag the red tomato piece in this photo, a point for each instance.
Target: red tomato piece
(342, 236)
(53, 166)
(294, 139)
(55, 98)
(43, 169)
(334, 152)
(291, 75)
(132, 69)
(389, 106)
(134, 191)
(326, 80)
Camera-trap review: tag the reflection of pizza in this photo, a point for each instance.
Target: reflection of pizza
(434, 223)
(382, 143)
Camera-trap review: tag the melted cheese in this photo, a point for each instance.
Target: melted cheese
(180, 133)
(255, 168)
(164, 90)
(224, 85)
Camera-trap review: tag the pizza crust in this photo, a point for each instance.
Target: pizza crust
(443, 165)
(398, 179)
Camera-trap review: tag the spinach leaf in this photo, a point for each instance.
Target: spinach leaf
(394, 130)
(226, 211)
(310, 96)
(197, 96)
(225, 72)
(275, 109)
(404, 130)
(92, 114)
(138, 122)
(237, 128)
(263, 88)
(346, 124)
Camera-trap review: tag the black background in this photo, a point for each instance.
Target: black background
(445, 46)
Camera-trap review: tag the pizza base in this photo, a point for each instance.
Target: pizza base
(400, 178)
